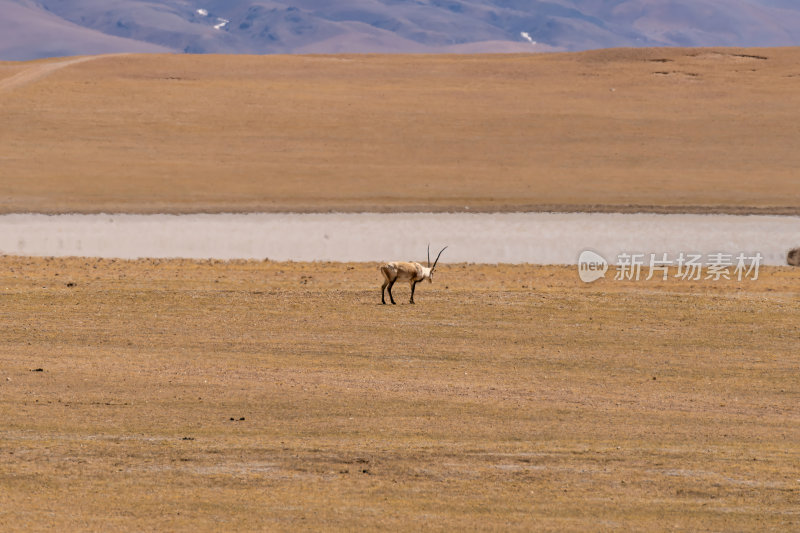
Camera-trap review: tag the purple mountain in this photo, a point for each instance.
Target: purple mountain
(42, 28)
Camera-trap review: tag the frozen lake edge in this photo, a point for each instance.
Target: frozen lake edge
(538, 238)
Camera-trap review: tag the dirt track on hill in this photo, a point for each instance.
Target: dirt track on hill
(665, 130)
(39, 70)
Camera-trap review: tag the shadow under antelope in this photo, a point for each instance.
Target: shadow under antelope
(409, 271)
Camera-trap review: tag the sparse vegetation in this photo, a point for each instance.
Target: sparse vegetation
(588, 131)
(259, 395)
(209, 395)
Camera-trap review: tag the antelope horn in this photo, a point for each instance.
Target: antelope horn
(429, 254)
(437, 257)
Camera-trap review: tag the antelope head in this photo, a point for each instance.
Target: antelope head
(428, 272)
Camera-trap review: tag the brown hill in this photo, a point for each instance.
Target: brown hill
(626, 129)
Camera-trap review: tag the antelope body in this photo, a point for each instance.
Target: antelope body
(409, 271)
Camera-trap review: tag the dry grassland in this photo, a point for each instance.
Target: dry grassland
(179, 395)
(655, 129)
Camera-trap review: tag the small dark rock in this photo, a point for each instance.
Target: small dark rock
(37, 370)
(71, 284)
(793, 257)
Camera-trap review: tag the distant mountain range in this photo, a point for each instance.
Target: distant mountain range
(32, 29)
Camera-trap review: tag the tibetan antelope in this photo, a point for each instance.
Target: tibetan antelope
(410, 271)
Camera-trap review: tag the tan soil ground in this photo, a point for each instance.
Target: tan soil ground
(694, 130)
(181, 395)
